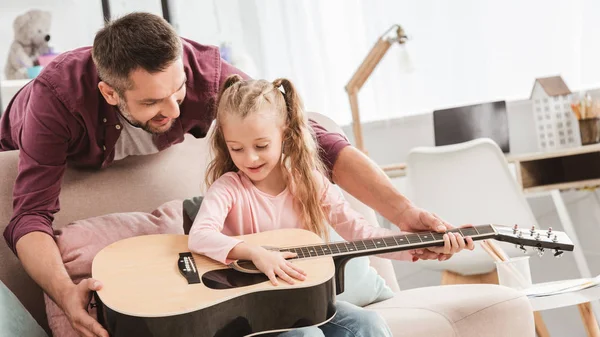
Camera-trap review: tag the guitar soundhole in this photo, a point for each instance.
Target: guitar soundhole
(230, 278)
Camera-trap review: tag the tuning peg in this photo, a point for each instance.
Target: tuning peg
(523, 249)
(541, 251)
(532, 230)
(558, 253)
(555, 238)
(515, 229)
(520, 235)
(549, 232)
(537, 236)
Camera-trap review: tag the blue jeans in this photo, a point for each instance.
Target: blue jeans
(349, 321)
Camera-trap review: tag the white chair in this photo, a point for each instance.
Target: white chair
(468, 183)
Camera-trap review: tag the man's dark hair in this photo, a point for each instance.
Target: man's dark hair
(136, 40)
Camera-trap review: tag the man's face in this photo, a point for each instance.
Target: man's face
(153, 102)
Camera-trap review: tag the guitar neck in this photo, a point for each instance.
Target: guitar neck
(387, 244)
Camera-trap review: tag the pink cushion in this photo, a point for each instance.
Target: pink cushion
(81, 240)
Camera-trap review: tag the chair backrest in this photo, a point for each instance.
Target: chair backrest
(467, 183)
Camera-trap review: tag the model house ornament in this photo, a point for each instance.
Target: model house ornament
(556, 125)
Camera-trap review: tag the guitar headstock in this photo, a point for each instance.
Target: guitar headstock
(531, 237)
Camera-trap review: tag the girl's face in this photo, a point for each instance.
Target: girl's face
(254, 142)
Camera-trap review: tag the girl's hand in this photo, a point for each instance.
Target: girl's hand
(274, 264)
(453, 243)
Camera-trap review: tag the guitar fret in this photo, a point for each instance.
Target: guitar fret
(299, 252)
(389, 241)
(342, 247)
(401, 239)
(379, 243)
(305, 252)
(470, 231)
(319, 250)
(426, 237)
(362, 246)
(413, 238)
(369, 244)
(487, 229)
(438, 236)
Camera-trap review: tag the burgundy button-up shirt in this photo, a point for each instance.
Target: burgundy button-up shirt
(61, 118)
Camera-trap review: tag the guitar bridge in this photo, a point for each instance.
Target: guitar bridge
(187, 268)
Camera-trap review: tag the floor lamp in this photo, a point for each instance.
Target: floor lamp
(392, 35)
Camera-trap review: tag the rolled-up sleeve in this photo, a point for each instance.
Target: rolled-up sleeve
(43, 146)
(330, 144)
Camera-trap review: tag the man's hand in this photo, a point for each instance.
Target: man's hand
(74, 303)
(453, 243)
(415, 219)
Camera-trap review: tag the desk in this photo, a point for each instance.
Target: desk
(581, 298)
(545, 171)
(565, 169)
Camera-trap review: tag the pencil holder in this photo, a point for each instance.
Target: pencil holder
(514, 273)
(589, 128)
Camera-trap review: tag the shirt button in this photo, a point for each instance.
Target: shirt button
(104, 147)
(104, 120)
(118, 127)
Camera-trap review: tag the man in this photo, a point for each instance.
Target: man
(137, 91)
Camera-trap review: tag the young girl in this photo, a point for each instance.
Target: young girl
(266, 174)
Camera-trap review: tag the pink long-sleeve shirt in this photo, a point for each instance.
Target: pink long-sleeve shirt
(234, 206)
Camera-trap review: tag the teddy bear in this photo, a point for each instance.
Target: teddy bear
(30, 41)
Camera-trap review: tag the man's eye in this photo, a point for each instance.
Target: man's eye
(149, 103)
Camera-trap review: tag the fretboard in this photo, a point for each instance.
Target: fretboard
(388, 243)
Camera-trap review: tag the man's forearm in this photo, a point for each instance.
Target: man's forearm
(361, 177)
(42, 261)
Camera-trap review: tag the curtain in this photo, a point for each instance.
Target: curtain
(462, 51)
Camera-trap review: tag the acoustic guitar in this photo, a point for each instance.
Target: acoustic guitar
(153, 285)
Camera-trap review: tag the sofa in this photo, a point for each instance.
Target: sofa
(145, 182)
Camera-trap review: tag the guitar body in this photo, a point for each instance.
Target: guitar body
(145, 294)
(153, 285)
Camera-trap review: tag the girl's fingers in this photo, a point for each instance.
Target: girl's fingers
(271, 276)
(296, 268)
(288, 255)
(292, 272)
(284, 276)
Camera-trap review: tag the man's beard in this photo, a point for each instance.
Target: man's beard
(122, 106)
